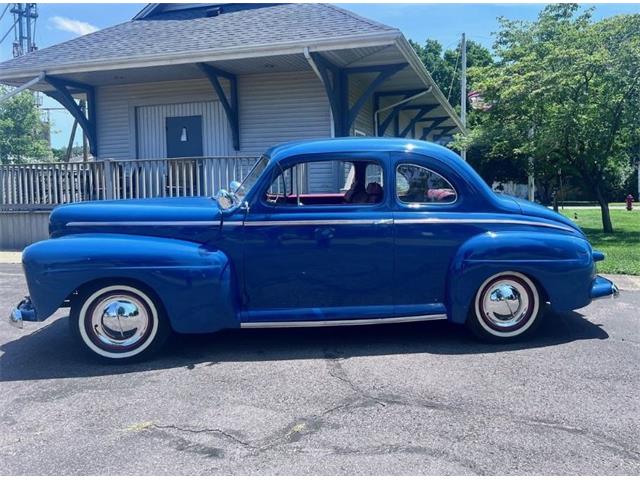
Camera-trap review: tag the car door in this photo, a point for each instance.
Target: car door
(427, 203)
(308, 256)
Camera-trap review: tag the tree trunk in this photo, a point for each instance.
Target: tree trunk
(607, 226)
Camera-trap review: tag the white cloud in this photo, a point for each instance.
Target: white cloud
(74, 26)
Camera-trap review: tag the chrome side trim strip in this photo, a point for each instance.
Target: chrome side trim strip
(145, 223)
(344, 323)
(274, 223)
(410, 221)
(389, 221)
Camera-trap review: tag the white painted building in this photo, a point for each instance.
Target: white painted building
(139, 73)
(231, 80)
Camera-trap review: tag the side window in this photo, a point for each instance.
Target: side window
(416, 184)
(331, 182)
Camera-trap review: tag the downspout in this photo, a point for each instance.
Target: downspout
(314, 67)
(16, 91)
(388, 107)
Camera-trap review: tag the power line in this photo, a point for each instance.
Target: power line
(453, 77)
(4, 11)
(11, 28)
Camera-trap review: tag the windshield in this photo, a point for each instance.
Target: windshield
(251, 178)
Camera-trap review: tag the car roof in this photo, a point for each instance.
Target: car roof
(361, 144)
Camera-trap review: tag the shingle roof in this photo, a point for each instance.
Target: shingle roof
(189, 31)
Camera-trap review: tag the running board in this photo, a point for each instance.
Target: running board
(344, 323)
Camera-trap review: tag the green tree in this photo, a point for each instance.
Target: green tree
(60, 154)
(565, 92)
(444, 65)
(22, 133)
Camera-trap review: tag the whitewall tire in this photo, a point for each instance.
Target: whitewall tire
(506, 307)
(118, 322)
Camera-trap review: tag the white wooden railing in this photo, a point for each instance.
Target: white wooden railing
(45, 185)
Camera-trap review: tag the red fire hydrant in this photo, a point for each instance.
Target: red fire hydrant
(629, 201)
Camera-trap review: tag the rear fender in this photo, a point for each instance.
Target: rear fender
(560, 264)
(195, 284)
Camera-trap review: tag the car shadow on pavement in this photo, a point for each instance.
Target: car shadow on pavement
(51, 352)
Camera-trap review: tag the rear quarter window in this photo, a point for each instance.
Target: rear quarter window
(416, 184)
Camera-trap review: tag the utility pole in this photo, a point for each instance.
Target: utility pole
(463, 87)
(24, 25)
(531, 179)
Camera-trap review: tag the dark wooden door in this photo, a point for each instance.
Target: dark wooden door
(184, 136)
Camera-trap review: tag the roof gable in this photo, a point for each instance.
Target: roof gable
(178, 31)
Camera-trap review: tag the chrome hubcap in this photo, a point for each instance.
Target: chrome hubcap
(505, 304)
(120, 320)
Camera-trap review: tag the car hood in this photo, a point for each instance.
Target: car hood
(536, 210)
(185, 218)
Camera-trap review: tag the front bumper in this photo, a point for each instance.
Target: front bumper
(603, 288)
(24, 312)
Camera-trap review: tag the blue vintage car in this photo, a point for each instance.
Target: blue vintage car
(401, 231)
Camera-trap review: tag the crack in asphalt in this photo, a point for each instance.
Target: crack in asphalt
(203, 430)
(336, 370)
(300, 427)
(599, 438)
(290, 434)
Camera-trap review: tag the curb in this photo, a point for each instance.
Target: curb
(10, 257)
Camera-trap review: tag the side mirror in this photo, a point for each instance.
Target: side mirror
(234, 186)
(224, 199)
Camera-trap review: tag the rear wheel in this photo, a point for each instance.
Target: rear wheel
(506, 307)
(118, 322)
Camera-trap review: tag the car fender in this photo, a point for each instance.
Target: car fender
(197, 285)
(549, 259)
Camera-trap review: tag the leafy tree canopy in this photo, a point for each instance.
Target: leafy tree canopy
(22, 133)
(444, 65)
(565, 92)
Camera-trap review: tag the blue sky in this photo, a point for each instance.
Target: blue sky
(443, 22)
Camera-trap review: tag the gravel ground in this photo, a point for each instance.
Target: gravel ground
(404, 399)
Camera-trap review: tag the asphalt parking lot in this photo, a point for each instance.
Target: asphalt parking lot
(404, 399)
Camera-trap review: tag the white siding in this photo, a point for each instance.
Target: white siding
(20, 229)
(116, 107)
(274, 108)
(324, 176)
(281, 107)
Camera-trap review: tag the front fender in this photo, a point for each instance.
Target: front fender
(561, 264)
(195, 284)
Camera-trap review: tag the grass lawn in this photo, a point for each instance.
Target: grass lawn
(622, 248)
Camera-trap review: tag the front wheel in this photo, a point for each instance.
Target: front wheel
(118, 322)
(506, 307)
